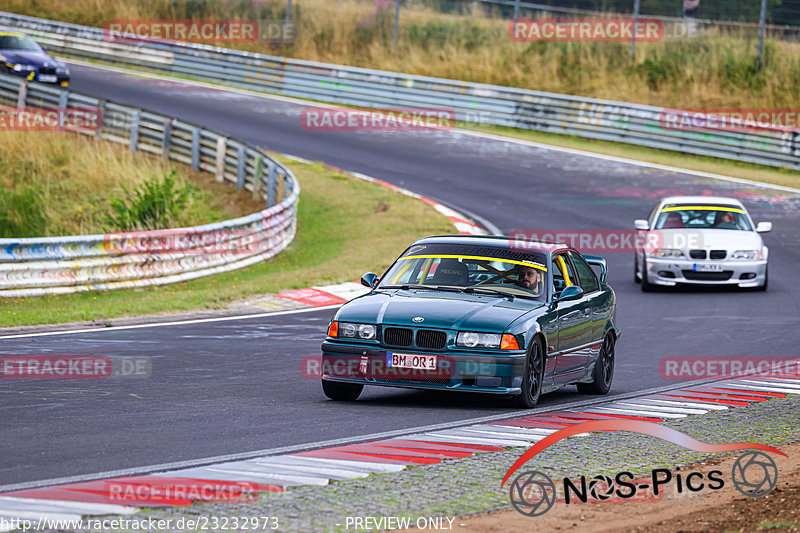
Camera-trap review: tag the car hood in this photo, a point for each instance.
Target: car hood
(30, 57)
(710, 239)
(438, 309)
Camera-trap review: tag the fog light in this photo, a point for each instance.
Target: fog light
(666, 274)
(748, 275)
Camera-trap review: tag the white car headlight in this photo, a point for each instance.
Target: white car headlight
(668, 252)
(747, 254)
(62, 70)
(23, 68)
(471, 339)
(356, 331)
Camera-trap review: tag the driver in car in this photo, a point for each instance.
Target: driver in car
(529, 278)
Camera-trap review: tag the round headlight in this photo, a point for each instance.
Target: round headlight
(490, 339)
(470, 339)
(349, 330)
(366, 331)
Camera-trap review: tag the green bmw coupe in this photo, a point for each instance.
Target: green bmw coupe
(479, 314)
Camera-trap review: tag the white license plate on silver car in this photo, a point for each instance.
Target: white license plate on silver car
(704, 267)
(47, 78)
(412, 361)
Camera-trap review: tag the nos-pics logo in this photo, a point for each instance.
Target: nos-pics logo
(533, 492)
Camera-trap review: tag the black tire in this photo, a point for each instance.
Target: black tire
(636, 270)
(342, 392)
(646, 285)
(534, 372)
(603, 369)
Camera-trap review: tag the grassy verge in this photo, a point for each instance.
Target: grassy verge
(715, 69)
(345, 228)
(63, 184)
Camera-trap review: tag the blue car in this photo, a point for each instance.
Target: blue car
(478, 314)
(22, 56)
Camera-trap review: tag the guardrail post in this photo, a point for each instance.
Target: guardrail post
(22, 94)
(134, 145)
(258, 182)
(101, 111)
(240, 160)
(195, 148)
(165, 139)
(63, 102)
(221, 149)
(272, 185)
(287, 187)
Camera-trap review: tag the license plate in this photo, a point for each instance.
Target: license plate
(703, 267)
(413, 361)
(47, 78)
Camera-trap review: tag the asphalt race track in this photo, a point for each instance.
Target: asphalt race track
(229, 387)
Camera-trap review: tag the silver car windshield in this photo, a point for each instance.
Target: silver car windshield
(702, 217)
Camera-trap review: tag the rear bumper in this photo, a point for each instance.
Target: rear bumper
(671, 272)
(463, 371)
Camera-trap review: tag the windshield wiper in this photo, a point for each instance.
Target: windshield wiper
(487, 290)
(423, 287)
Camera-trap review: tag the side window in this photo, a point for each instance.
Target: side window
(563, 274)
(586, 275)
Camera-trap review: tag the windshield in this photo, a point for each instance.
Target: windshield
(15, 42)
(465, 268)
(702, 216)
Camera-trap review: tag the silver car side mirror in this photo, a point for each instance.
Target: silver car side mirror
(641, 224)
(764, 227)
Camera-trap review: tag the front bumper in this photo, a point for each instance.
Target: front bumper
(33, 75)
(490, 373)
(670, 272)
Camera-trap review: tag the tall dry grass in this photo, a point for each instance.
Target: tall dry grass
(713, 70)
(61, 184)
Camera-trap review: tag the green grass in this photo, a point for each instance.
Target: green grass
(63, 184)
(345, 228)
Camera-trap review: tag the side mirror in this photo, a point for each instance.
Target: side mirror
(641, 224)
(764, 227)
(573, 292)
(370, 279)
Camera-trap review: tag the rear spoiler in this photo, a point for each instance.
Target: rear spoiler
(598, 261)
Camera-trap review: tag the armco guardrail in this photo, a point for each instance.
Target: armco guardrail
(34, 266)
(472, 102)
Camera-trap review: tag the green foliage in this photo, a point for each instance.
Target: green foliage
(664, 67)
(737, 72)
(377, 26)
(436, 34)
(22, 212)
(155, 204)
